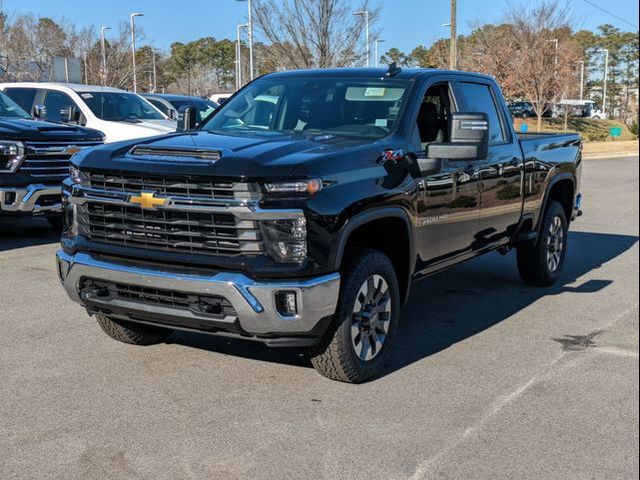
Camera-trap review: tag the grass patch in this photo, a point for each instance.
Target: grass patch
(591, 130)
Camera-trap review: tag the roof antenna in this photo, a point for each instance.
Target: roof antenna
(393, 70)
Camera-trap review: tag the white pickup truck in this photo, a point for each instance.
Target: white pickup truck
(119, 114)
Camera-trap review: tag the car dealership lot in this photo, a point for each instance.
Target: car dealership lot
(490, 379)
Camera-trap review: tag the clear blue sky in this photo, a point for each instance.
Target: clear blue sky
(404, 23)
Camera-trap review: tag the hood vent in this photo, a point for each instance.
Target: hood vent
(173, 154)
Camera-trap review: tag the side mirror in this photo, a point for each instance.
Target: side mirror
(469, 138)
(222, 101)
(40, 112)
(172, 114)
(186, 119)
(69, 115)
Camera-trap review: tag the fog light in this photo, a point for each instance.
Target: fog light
(286, 303)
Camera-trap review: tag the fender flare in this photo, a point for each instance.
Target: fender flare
(369, 216)
(556, 178)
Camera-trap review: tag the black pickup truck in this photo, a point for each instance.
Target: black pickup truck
(300, 212)
(34, 159)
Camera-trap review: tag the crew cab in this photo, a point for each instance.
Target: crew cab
(306, 226)
(119, 114)
(34, 159)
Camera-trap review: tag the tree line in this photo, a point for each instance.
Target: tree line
(533, 52)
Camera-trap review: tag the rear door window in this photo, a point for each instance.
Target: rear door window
(477, 97)
(23, 97)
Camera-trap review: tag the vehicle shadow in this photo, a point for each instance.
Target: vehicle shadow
(19, 232)
(455, 305)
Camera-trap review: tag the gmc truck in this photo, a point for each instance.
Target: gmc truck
(301, 211)
(34, 159)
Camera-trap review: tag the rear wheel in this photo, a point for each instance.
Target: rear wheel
(541, 263)
(363, 331)
(131, 332)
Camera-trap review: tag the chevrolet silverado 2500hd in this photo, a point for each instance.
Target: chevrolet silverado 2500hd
(300, 212)
(34, 159)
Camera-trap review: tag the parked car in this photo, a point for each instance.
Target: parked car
(34, 159)
(121, 115)
(522, 109)
(581, 108)
(170, 104)
(306, 226)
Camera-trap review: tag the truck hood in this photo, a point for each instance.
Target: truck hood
(37, 131)
(247, 155)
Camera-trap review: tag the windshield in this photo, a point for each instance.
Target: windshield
(203, 107)
(8, 108)
(120, 106)
(359, 108)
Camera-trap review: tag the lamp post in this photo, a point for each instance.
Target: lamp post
(155, 71)
(378, 42)
(365, 14)
(239, 55)
(249, 27)
(133, 48)
(104, 53)
(606, 77)
(453, 49)
(581, 62)
(86, 71)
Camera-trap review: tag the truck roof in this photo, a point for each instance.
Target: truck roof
(370, 73)
(77, 87)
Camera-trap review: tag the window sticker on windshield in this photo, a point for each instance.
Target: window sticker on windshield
(382, 122)
(86, 95)
(374, 92)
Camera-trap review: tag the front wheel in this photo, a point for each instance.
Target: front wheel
(358, 342)
(540, 264)
(131, 332)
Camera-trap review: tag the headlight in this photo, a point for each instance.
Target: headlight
(310, 187)
(285, 240)
(11, 155)
(77, 176)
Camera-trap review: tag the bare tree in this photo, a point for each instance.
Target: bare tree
(313, 33)
(545, 53)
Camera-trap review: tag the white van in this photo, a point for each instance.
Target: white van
(581, 108)
(119, 114)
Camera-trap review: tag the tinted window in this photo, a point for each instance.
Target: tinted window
(478, 98)
(203, 107)
(8, 108)
(56, 101)
(120, 106)
(23, 97)
(159, 105)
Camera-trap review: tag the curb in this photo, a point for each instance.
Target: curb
(599, 156)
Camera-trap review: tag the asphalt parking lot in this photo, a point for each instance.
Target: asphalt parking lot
(490, 379)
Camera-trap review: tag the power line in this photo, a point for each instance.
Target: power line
(609, 13)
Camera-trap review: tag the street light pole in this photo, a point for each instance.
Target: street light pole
(365, 14)
(378, 42)
(155, 72)
(581, 62)
(104, 53)
(453, 49)
(86, 71)
(606, 76)
(239, 55)
(249, 27)
(133, 49)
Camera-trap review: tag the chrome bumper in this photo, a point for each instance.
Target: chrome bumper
(253, 301)
(25, 199)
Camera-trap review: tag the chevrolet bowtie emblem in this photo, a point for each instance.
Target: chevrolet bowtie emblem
(148, 201)
(72, 150)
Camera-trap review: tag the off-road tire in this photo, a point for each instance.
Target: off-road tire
(532, 257)
(334, 356)
(130, 332)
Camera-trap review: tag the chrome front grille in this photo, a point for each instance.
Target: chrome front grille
(49, 161)
(200, 223)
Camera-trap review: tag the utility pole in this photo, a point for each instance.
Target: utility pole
(453, 49)
(104, 54)
(365, 14)
(133, 48)
(378, 42)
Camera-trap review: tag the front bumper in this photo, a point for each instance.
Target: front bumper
(34, 199)
(253, 301)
